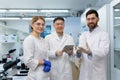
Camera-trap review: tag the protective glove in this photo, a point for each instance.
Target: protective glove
(47, 63)
(46, 68)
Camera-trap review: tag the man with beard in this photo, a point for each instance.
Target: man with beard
(94, 48)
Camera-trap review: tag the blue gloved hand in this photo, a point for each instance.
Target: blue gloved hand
(47, 63)
(46, 68)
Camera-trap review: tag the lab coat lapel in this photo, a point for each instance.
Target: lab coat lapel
(56, 36)
(62, 41)
(92, 38)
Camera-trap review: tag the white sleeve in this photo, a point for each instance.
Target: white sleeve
(102, 50)
(82, 41)
(51, 54)
(71, 41)
(28, 56)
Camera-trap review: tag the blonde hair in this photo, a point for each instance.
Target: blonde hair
(35, 18)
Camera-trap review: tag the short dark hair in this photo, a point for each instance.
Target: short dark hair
(58, 18)
(92, 11)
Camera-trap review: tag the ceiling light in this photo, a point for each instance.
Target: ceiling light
(3, 10)
(116, 10)
(26, 18)
(22, 10)
(9, 18)
(117, 17)
(49, 18)
(55, 11)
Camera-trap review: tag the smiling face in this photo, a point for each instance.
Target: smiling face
(92, 21)
(59, 26)
(38, 24)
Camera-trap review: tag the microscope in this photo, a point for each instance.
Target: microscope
(6, 57)
(6, 66)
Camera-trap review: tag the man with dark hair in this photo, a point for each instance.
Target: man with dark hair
(58, 18)
(60, 57)
(92, 11)
(94, 48)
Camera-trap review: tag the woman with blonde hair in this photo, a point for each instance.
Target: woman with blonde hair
(35, 52)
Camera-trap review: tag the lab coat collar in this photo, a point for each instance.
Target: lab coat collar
(96, 29)
(56, 36)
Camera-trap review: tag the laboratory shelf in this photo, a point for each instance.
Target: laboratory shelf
(117, 26)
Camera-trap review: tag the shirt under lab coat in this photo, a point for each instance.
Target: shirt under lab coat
(61, 67)
(34, 50)
(94, 68)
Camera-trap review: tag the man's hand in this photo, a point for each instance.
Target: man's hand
(59, 53)
(87, 50)
(69, 51)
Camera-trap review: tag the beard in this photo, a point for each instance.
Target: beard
(92, 26)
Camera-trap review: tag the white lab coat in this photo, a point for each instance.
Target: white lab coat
(94, 68)
(61, 66)
(34, 50)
